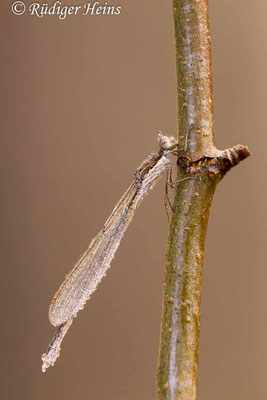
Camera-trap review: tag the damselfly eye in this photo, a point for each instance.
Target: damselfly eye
(166, 143)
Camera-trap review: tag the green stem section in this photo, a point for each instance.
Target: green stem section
(204, 166)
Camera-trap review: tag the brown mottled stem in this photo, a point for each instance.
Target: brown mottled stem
(201, 161)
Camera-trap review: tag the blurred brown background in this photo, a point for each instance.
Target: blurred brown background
(81, 103)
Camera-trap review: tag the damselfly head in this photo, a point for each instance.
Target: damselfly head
(166, 143)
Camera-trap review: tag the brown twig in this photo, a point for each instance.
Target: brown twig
(178, 354)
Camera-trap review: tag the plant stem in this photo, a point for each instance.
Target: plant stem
(205, 165)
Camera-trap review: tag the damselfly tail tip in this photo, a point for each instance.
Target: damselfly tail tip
(53, 352)
(50, 357)
(46, 363)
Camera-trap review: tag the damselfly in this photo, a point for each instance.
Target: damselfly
(92, 266)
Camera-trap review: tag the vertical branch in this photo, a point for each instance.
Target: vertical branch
(201, 161)
(193, 72)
